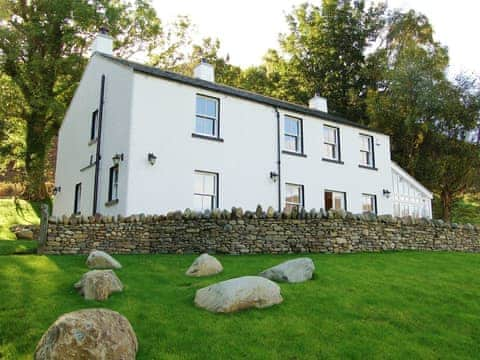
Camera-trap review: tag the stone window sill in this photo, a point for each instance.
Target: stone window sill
(333, 161)
(206, 137)
(368, 167)
(293, 153)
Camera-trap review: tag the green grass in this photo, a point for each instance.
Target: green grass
(384, 305)
(467, 210)
(20, 212)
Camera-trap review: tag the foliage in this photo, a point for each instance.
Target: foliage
(42, 50)
(324, 52)
(13, 212)
(393, 305)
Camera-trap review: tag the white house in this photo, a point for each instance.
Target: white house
(137, 139)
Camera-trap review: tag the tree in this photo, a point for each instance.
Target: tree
(43, 44)
(324, 52)
(408, 71)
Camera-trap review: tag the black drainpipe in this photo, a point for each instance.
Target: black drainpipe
(99, 143)
(279, 162)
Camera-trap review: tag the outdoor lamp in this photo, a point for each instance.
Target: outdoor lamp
(152, 158)
(117, 158)
(273, 176)
(386, 193)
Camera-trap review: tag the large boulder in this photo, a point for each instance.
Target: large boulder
(98, 284)
(101, 260)
(238, 294)
(292, 271)
(204, 265)
(88, 334)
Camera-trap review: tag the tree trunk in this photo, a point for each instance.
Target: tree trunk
(447, 204)
(36, 150)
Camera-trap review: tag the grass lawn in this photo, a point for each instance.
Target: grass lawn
(384, 305)
(11, 213)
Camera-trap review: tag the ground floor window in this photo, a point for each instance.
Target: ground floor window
(335, 200)
(113, 184)
(78, 197)
(205, 195)
(369, 203)
(294, 198)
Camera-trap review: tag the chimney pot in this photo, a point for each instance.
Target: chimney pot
(318, 103)
(103, 42)
(204, 71)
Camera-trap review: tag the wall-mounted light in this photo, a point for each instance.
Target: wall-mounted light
(152, 158)
(273, 176)
(117, 158)
(56, 190)
(386, 193)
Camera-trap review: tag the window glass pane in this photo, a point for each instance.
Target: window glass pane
(293, 194)
(338, 201)
(292, 126)
(328, 200)
(202, 202)
(330, 151)
(291, 143)
(364, 158)
(205, 183)
(329, 134)
(205, 126)
(206, 106)
(365, 142)
(368, 204)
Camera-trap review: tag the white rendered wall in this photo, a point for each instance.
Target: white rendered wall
(74, 150)
(163, 116)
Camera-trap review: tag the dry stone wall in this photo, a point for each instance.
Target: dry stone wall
(236, 232)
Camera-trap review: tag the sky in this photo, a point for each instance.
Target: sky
(247, 28)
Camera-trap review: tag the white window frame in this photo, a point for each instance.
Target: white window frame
(334, 192)
(370, 151)
(335, 144)
(373, 203)
(298, 137)
(290, 204)
(215, 119)
(214, 200)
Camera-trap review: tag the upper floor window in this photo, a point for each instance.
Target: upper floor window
(335, 200)
(331, 143)
(113, 184)
(294, 197)
(205, 195)
(293, 134)
(94, 125)
(366, 151)
(206, 116)
(78, 198)
(369, 203)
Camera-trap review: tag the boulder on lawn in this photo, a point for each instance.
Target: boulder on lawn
(98, 284)
(101, 260)
(204, 265)
(292, 271)
(238, 294)
(88, 334)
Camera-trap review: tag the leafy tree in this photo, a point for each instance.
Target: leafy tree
(324, 52)
(409, 73)
(43, 44)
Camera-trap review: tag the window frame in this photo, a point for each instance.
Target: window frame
(216, 120)
(299, 137)
(301, 204)
(336, 192)
(216, 187)
(374, 203)
(77, 198)
(371, 151)
(337, 145)
(114, 170)
(94, 126)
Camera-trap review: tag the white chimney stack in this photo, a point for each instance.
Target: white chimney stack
(103, 43)
(204, 71)
(318, 103)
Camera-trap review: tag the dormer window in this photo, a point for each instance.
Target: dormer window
(206, 116)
